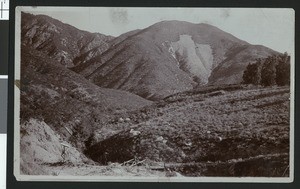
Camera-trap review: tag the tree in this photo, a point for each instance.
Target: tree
(252, 74)
(268, 72)
(283, 70)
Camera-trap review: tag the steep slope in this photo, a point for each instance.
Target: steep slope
(195, 59)
(66, 101)
(170, 57)
(64, 43)
(40, 142)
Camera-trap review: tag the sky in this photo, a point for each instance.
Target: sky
(273, 28)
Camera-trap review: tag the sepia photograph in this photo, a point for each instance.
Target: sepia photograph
(154, 94)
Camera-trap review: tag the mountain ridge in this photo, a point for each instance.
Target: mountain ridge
(165, 58)
(152, 45)
(58, 40)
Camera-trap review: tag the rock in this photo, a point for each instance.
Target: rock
(135, 133)
(170, 173)
(216, 93)
(160, 139)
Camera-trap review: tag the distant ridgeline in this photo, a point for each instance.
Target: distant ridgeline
(273, 70)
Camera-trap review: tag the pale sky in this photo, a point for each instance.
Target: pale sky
(273, 28)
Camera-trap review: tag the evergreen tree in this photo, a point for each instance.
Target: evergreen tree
(268, 71)
(283, 70)
(252, 74)
(248, 74)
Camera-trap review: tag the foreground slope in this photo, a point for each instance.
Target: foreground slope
(229, 131)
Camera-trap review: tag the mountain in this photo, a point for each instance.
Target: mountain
(64, 43)
(170, 57)
(163, 59)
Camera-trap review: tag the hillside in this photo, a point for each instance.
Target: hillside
(236, 62)
(63, 99)
(214, 131)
